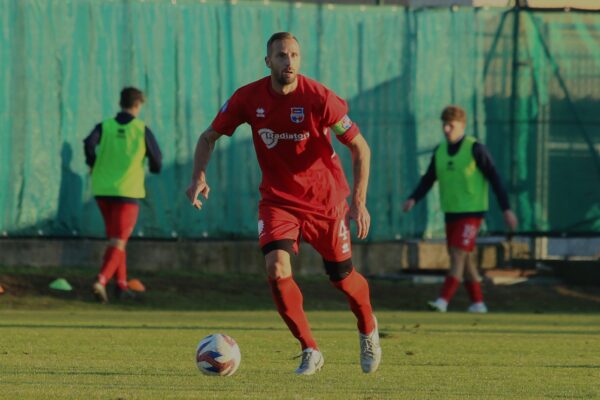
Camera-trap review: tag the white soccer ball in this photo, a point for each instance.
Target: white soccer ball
(218, 355)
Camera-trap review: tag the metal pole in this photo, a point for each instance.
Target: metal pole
(514, 101)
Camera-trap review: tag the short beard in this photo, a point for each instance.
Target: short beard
(283, 81)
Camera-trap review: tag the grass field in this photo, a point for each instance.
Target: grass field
(53, 346)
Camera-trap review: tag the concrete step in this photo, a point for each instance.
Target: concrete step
(488, 254)
(246, 257)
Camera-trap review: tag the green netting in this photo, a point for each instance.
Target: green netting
(529, 81)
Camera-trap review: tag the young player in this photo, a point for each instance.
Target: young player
(303, 188)
(463, 168)
(121, 143)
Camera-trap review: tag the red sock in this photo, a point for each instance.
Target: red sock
(474, 289)
(122, 273)
(112, 259)
(356, 289)
(288, 299)
(449, 288)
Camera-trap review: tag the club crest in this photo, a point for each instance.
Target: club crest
(297, 114)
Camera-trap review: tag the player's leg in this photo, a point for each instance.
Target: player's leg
(289, 302)
(473, 285)
(452, 280)
(288, 297)
(457, 255)
(112, 254)
(330, 236)
(278, 233)
(125, 220)
(463, 241)
(344, 277)
(352, 283)
(458, 259)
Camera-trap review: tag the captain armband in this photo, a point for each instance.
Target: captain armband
(342, 125)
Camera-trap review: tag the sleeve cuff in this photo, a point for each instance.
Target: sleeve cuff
(349, 135)
(222, 131)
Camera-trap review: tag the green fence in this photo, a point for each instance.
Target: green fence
(530, 83)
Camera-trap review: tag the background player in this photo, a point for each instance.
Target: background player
(118, 182)
(463, 168)
(303, 189)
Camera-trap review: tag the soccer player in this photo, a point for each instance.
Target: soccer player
(463, 168)
(303, 189)
(117, 169)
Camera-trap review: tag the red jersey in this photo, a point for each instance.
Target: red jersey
(292, 141)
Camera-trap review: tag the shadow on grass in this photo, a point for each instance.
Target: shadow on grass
(96, 373)
(146, 327)
(27, 288)
(518, 331)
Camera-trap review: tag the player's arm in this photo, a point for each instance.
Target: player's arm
(90, 143)
(485, 163)
(204, 149)
(361, 164)
(153, 152)
(335, 116)
(230, 116)
(423, 187)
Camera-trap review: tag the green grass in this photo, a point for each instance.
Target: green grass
(124, 354)
(541, 341)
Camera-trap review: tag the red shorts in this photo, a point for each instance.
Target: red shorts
(119, 217)
(462, 233)
(327, 232)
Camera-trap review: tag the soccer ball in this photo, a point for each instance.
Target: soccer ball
(218, 355)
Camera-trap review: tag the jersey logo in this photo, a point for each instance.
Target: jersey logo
(297, 114)
(260, 112)
(270, 138)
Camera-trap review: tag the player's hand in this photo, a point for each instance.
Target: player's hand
(197, 188)
(360, 214)
(510, 220)
(408, 205)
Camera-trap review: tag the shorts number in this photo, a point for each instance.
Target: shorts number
(469, 232)
(343, 233)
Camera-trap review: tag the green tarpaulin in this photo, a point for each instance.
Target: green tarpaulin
(530, 83)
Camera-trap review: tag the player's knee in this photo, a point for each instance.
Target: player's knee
(118, 243)
(338, 270)
(278, 269)
(277, 258)
(457, 273)
(472, 275)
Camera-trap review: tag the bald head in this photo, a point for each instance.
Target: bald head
(279, 36)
